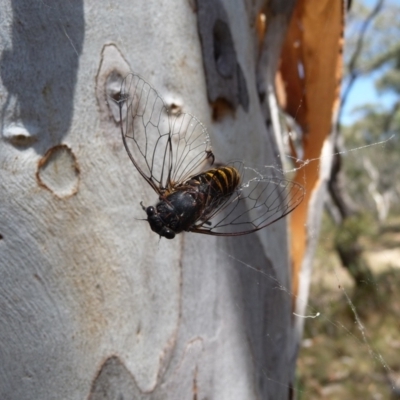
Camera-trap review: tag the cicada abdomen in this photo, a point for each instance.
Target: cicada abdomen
(217, 184)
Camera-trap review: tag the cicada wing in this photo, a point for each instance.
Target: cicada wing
(165, 148)
(259, 201)
(145, 128)
(191, 147)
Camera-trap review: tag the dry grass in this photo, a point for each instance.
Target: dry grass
(342, 358)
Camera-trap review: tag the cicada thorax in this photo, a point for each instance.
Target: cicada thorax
(192, 202)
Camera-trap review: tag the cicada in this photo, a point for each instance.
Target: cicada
(172, 152)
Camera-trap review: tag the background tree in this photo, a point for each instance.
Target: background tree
(366, 183)
(375, 54)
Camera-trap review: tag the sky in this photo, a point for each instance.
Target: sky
(363, 91)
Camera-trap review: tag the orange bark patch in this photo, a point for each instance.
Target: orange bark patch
(308, 88)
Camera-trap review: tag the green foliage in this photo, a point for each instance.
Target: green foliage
(375, 53)
(380, 47)
(373, 171)
(353, 228)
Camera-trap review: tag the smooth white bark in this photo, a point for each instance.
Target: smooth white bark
(92, 303)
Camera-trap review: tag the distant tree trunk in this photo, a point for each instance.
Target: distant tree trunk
(337, 187)
(92, 303)
(344, 210)
(348, 231)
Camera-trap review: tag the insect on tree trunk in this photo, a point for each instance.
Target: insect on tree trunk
(92, 303)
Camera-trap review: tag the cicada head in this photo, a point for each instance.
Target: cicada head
(157, 224)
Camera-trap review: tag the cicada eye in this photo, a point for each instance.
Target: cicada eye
(150, 211)
(167, 233)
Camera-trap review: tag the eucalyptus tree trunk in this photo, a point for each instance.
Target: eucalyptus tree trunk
(92, 303)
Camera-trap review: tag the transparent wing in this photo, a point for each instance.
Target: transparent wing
(165, 148)
(259, 201)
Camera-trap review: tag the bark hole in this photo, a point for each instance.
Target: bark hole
(114, 381)
(226, 82)
(224, 52)
(19, 136)
(113, 69)
(58, 171)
